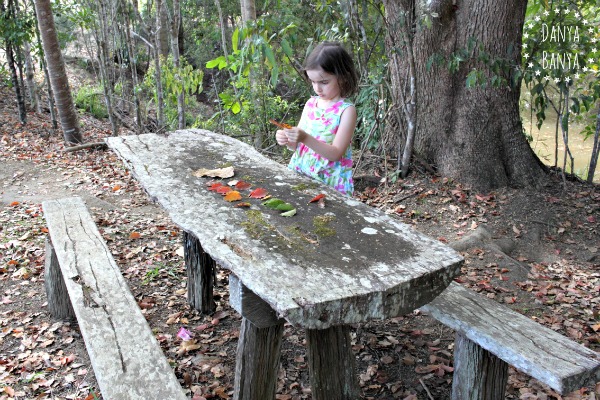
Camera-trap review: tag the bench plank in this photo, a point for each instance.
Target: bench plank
(542, 353)
(127, 360)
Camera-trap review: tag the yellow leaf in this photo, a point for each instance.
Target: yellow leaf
(234, 195)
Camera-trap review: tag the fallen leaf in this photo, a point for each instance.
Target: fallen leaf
(233, 195)
(134, 235)
(241, 185)
(215, 186)
(290, 213)
(243, 204)
(317, 198)
(215, 173)
(223, 189)
(258, 193)
(273, 203)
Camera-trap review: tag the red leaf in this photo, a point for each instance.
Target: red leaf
(317, 198)
(241, 185)
(223, 189)
(215, 186)
(258, 193)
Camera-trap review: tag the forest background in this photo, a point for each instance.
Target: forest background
(442, 143)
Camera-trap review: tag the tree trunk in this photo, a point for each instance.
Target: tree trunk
(160, 114)
(175, 23)
(472, 134)
(595, 151)
(11, 65)
(58, 74)
(34, 96)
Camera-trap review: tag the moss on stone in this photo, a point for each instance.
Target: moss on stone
(321, 224)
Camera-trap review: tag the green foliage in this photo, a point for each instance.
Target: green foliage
(91, 99)
(184, 79)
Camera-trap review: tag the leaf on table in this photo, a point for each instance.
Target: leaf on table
(290, 213)
(285, 207)
(215, 186)
(227, 172)
(258, 193)
(223, 189)
(241, 185)
(317, 198)
(273, 203)
(233, 195)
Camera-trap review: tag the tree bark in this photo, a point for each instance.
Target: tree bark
(58, 74)
(160, 113)
(595, 151)
(473, 134)
(175, 24)
(478, 374)
(34, 96)
(10, 59)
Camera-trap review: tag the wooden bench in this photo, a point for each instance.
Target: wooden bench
(83, 281)
(490, 336)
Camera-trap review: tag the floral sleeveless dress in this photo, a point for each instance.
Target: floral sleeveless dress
(323, 124)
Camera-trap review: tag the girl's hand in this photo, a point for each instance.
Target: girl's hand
(281, 137)
(295, 135)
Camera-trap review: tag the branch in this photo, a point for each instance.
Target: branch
(95, 145)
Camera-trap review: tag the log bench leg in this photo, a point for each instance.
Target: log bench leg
(478, 374)
(201, 270)
(331, 363)
(59, 303)
(257, 361)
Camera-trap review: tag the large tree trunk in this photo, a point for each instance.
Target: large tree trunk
(472, 134)
(58, 74)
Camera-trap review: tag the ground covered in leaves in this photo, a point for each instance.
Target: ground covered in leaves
(536, 251)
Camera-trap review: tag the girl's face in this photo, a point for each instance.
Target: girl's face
(324, 84)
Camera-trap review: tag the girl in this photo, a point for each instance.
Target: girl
(322, 140)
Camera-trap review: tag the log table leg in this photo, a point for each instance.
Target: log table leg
(201, 270)
(257, 361)
(331, 363)
(59, 303)
(478, 374)
(259, 346)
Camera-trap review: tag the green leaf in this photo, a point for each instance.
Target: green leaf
(213, 63)
(270, 55)
(273, 203)
(234, 40)
(287, 49)
(290, 213)
(285, 207)
(236, 107)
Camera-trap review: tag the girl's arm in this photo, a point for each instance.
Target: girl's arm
(335, 150)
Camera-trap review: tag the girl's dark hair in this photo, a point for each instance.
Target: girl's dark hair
(334, 59)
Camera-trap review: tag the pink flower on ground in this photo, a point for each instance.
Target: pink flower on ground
(184, 334)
